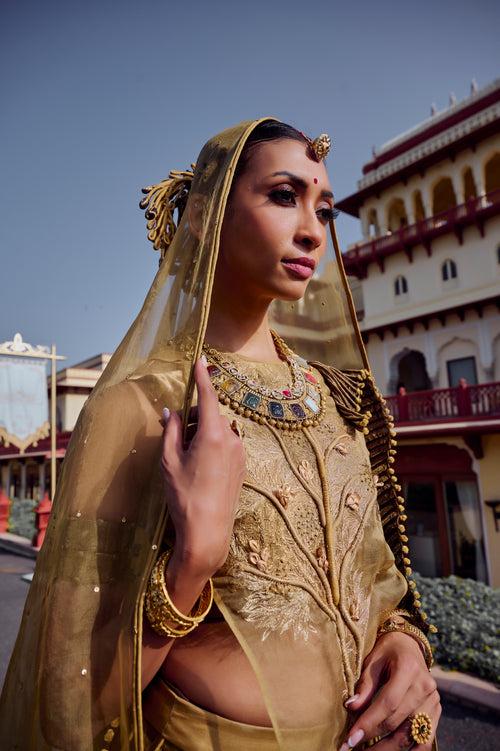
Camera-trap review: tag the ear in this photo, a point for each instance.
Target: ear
(195, 209)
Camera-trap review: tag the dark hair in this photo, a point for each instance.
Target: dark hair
(269, 130)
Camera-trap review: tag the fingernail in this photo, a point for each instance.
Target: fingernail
(355, 738)
(166, 413)
(353, 698)
(204, 360)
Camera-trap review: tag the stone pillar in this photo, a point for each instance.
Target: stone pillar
(41, 478)
(458, 186)
(431, 360)
(410, 213)
(22, 489)
(365, 230)
(478, 174)
(382, 220)
(426, 199)
(6, 478)
(484, 340)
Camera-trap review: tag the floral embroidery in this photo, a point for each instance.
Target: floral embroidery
(321, 558)
(378, 483)
(284, 494)
(354, 610)
(278, 539)
(258, 556)
(305, 470)
(289, 611)
(352, 500)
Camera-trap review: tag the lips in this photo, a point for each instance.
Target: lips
(301, 268)
(302, 261)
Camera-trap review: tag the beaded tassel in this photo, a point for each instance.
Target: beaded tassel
(360, 402)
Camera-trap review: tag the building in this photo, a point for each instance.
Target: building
(426, 277)
(26, 475)
(429, 269)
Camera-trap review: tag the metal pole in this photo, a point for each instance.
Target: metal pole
(53, 426)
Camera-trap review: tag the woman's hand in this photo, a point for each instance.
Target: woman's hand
(397, 666)
(203, 483)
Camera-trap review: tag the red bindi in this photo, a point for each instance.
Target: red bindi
(315, 180)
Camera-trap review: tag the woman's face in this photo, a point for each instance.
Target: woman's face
(275, 227)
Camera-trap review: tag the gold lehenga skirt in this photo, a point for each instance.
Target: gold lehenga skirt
(172, 723)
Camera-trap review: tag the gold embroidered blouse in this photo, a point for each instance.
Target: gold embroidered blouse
(309, 571)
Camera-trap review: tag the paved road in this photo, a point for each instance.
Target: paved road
(461, 728)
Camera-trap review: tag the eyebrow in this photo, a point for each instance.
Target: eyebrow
(301, 182)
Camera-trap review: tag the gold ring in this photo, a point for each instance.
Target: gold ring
(420, 727)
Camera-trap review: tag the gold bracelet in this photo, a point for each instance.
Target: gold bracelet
(161, 611)
(396, 622)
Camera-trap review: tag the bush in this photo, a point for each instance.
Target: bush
(22, 517)
(467, 615)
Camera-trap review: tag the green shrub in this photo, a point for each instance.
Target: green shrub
(467, 615)
(22, 517)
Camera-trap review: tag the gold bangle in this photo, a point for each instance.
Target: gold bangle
(386, 614)
(404, 627)
(165, 619)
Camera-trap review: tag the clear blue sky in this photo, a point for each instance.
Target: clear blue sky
(99, 98)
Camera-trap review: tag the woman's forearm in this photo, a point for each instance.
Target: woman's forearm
(184, 587)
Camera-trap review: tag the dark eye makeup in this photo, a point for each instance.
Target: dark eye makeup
(286, 197)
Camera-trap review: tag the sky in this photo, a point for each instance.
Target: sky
(99, 98)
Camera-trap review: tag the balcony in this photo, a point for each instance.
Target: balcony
(478, 406)
(475, 211)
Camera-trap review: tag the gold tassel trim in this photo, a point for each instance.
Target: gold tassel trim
(359, 401)
(160, 203)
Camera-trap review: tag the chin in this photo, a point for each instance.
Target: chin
(290, 292)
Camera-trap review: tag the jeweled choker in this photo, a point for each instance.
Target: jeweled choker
(296, 406)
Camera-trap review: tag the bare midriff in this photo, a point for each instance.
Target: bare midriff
(212, 671)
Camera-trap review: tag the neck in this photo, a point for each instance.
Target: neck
(240, 326)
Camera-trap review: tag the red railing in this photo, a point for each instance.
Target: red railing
(475, 210)
(435, 405)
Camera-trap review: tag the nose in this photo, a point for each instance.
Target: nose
(309, 234)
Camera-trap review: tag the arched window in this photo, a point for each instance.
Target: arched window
(448, 270)
(443, 196)
(492, 173)
(400, 285)
(396, 215)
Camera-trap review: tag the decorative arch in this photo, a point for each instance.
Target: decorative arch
(492, 173)
(456, 348)
(396, 215)
(443, 196)
(469, 184)
(460, 340)
(409, 368)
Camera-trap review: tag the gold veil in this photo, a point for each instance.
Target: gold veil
(76, 664)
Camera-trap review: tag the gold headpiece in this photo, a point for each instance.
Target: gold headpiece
(321, 146)
(160, 203)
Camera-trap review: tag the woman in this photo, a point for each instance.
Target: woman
(277, 491)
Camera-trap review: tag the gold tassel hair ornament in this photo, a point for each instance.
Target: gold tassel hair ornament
(160, 203)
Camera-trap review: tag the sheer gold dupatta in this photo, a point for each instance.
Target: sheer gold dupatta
(75, 670)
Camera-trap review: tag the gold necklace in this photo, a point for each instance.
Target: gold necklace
(297, 406)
